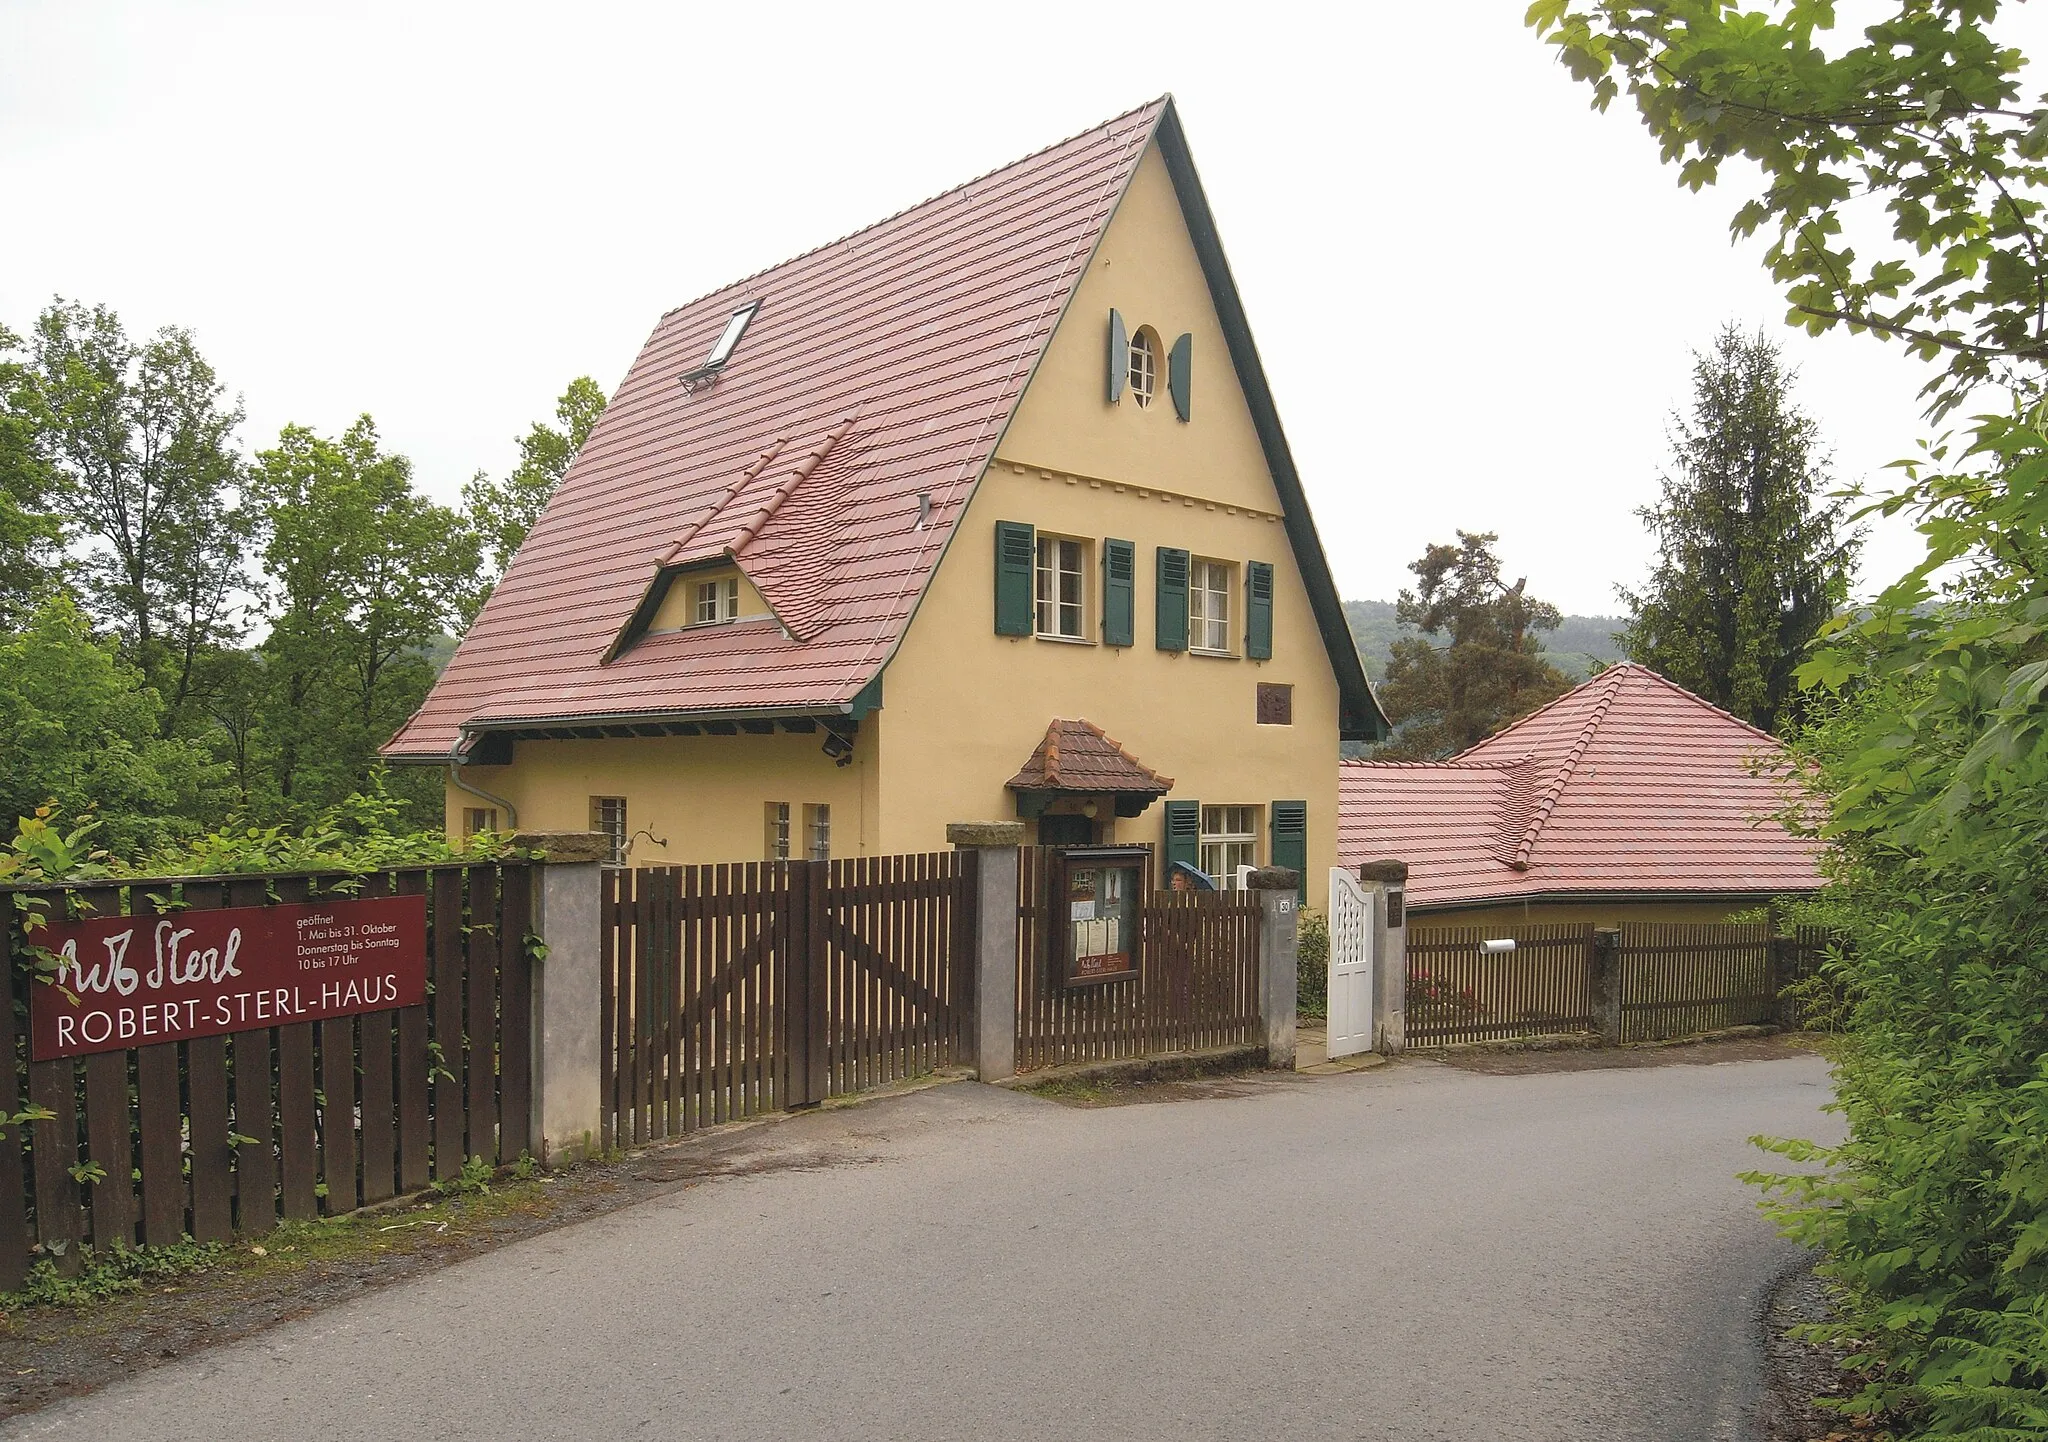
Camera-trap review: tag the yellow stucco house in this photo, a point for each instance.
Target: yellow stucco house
(981, 513)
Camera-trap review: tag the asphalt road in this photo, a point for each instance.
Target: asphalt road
(1412, 1253)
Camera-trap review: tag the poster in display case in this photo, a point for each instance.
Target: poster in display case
(1101, 888)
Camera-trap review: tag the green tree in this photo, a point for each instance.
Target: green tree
(30, 532)
(82, 730)
(1484, 669)
(141, 440)
(502, 512)
(1752, 560)
(1927, 748)
(365, 572)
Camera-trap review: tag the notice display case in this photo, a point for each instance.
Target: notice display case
(1101, 887)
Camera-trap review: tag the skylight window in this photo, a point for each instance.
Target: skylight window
(729, 338)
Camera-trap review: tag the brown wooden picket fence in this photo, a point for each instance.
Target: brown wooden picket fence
(1457, 993)
(1680, 980)
(219, 1136)
(736, 989)
(1673, 980)
(1198, 981)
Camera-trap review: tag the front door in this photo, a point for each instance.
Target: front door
(1056, 830)
(1351, 936)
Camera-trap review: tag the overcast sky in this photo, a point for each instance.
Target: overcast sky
(1476, 299)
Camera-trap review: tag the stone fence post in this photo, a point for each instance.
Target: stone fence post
(993, 1034)
(568, 1121)
(1388, 882)
(1277, 889)
(1607, 984)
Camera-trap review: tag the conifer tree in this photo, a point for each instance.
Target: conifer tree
(1752, 559)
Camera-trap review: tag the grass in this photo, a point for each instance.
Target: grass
(447, 1212)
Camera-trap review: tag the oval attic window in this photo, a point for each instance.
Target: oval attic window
(1144, 372)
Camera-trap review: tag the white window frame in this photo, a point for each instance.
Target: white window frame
(1210, 583)
(1141, 371)
(478, 818)
(608, 815)
(1229, 839)
(1052, 585)
(716, 602)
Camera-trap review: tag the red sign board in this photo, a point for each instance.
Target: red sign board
(125, 981)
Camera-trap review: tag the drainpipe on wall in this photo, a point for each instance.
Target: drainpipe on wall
(455, 780)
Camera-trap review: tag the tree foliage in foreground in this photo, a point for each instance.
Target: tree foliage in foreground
(1478, 664)
(1752, 561)
(1929, 743)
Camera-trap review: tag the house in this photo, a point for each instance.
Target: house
(1627, 799)
(984, 512)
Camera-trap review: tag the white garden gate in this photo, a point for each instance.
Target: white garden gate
(1351, 968)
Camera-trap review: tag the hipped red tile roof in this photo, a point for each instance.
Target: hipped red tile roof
(1628, 784)
(879, 369)
(1077, 756)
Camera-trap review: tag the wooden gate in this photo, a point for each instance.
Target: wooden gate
(1198, 984)
(1349, 992)
(737, 989)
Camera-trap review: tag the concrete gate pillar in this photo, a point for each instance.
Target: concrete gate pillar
(993, 1034)
(1388, 880)
(1278, 889)
(567, 1122)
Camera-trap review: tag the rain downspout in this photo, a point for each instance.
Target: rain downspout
(455, 780)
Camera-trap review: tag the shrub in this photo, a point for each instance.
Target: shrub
(1312, 966)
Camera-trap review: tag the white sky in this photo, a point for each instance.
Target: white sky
(1475, 298)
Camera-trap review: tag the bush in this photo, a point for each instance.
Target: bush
(1312, 966)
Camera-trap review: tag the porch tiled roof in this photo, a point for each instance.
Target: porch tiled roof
(1628, 784)
(1077, 756)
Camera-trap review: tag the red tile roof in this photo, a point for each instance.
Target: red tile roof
(1629, 784)
(1078, 756)
(880, 368)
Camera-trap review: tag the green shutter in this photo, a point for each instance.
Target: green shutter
(1258, 610)
(1183, 834)
(1119, 356)
(1016, 549)
(1290, 838)
(1119, 592)
(1172, 609)
(1180, 374)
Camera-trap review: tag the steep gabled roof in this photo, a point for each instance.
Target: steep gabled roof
(830, 460)
(1627, 785)
(1079, 756)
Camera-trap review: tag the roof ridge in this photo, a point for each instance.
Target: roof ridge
(1517, 809)
(929, 200)
(785, 488)
(727, 496)
(1547, 802)
(1699, 700)
(1448, 763)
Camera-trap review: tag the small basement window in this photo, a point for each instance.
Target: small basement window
(479, 818)
(729, 338)
(777, 839)
(608, 815)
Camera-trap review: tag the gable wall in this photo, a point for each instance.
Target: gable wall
(964, 706)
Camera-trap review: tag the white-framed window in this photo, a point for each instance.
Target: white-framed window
(1209, 586)
(608, 814)
(1062, 588)
(1230, 839)
(717, 601)
(1142, 378)
(818, 832)
(777, 829)
(478, 818)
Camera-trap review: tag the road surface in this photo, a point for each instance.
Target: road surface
(1411, 1253)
